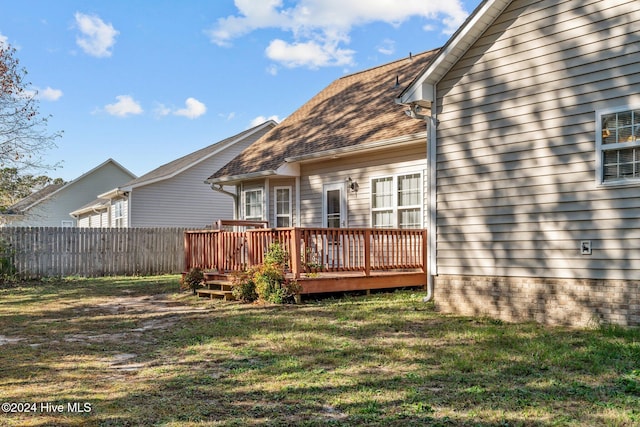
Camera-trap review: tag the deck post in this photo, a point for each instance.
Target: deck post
(219, 257)
(367, 252)
(187, 252)
(296, 257)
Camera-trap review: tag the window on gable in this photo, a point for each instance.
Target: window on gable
(396, 201)
(618, 146)
(253, 205)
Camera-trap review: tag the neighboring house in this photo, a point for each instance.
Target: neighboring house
(50, 206)
(535, 162)
(174, 194)
(346, 158)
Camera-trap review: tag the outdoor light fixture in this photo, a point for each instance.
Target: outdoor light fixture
(353, 185)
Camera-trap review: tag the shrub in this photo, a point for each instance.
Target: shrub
(244, 287)
(192, 280)
(268, 281)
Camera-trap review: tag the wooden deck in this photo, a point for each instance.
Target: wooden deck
(322, 260)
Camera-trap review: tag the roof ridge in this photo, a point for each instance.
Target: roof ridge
(367, 70)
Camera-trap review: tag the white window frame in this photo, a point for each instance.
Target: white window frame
(277, 215)
(602, 148)
(244, 204)
(67, 223)
(395, 207)
(118, 214)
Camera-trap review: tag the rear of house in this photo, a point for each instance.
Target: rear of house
(345, 159)
(536, 157)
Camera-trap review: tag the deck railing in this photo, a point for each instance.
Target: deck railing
(309, 249)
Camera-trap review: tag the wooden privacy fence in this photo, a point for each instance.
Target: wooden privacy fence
(310, 249)
(90, 252)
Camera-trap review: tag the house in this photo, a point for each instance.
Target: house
(174, 194)
(347, 158)
(534, 162)
(50, 206)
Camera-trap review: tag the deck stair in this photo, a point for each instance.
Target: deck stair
(216, 285)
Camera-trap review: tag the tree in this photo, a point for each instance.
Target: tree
(15, 186)
(23, 133)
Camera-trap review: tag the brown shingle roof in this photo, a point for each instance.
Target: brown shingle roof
(21, 205)
(353, 110)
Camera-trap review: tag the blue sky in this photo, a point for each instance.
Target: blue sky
(145, 82)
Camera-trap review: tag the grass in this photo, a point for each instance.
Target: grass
(137, 358)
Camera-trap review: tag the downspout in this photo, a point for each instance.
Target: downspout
(430, 123)
(432, 219)
(221, 190)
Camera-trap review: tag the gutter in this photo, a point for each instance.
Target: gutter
(234, 196)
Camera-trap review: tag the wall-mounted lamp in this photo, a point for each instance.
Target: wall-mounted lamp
(353, 185)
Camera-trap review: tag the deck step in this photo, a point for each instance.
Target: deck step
(221, 285)
(215, 293)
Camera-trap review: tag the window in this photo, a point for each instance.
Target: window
(66, 223)
(283, 206)
(618, 145)
(396, 201)
(118, 213)
(253, 205)
(410, 201)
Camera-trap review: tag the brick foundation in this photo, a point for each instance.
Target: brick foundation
(575, 302)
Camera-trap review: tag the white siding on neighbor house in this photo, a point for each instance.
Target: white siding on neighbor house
(516, 145)
(51, 212)
(361, 168)
(185, 200)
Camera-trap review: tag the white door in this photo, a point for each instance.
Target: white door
(334, 206)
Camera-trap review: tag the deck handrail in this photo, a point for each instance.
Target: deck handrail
(310, 249)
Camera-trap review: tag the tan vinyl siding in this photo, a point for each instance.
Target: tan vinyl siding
(516, 145)
(361, 168)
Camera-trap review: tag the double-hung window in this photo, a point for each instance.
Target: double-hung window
(118, 214)
(618, 145)
(396, 201)
(253, 205)
(282, 206)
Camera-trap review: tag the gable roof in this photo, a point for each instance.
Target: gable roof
(33, 198)
(352, 112)
(420, 91)
(177, 166)
(49, 191)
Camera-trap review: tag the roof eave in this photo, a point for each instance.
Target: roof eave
(235, 179)
(372, 146)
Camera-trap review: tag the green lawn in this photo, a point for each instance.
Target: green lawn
(136, 351)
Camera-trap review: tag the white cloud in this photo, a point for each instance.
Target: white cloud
(261, 119)
(4, 40)
(193, 109)
(227, 116)
(323, 26)
(49, 94)
(125, 106)
(309, 54)
(161, 110)
(96, 38)
(387, 47)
